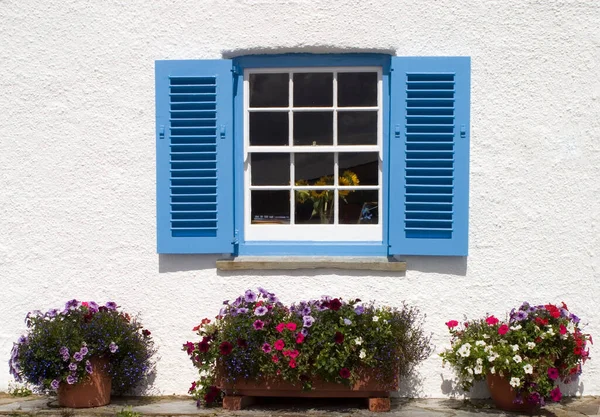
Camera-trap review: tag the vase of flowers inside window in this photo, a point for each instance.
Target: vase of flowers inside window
(83, 352)
(326, 347)
(322, 200)
(522, 358)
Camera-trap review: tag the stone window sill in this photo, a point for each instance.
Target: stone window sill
(371, 263)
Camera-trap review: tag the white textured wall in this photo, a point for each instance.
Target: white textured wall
(77, 181)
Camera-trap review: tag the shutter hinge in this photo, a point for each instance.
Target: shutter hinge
(235, 240)
(222, 132)
(161, 132)
(397, 131)
(463, 131)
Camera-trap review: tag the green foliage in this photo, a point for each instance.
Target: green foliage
(59, 345)
(535, 348)
(128, 412)
(328, 339)
(18, 390)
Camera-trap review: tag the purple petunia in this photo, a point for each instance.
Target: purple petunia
(521, 315)
(64, 351)
(574, 318)
(237, 301)
(260, 311)
(88, 367)
(111, 305)
(359, 310)
(263, 292)
(71, 380)
(304, 332)
(22, 340)
(113, 347)
(93, 306)
(306, 311)
(84, 350)
(52, 313)
(71, 304)
(266, 348)
(54, 384)
(250, 296)
(272, 298)
(77, 356)
(347, 322)
(241, 310)
(72, 366)
(258, 325)
(308, 321)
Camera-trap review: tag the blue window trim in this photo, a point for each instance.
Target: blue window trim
(307, 247)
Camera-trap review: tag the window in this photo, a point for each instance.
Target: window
(312, 139)
(359, 154)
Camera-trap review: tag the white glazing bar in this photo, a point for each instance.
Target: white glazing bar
(336, 180)
(292, 155)
(309, 109)
(314, 149)
(313, 187)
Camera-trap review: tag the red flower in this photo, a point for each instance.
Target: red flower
(192, 388)
(564, 306)
(451, 324)
(280, 327)
(538, 339)
(503, 329)
(294, 354)
(300, 338)
(339, 338)
(146, 332)
(286, 352)
(345, 373)
(279, 344)
(225, 348)
(292, 363)
(205, 321)
(491, 320)
(203, 346)
(274, 358)
(552, 373)
(563, 329)
(335, 304)
(555, 394)
(291, 326)
(260, 303)
(541, 321)
(85, 304)
(579, 342)
(242, 343)
(577, 350)
(189, 347)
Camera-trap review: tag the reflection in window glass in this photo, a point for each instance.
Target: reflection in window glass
(313, 89)
(314, 168)
(359, 207)
(269, 90)
(270, 168)
(357, 128)
(364, 164)
(270, 206)
(269, 129)
(313, 128)
(357, 89)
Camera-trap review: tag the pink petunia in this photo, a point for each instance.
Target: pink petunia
(279, 344)
(294, 354)
(563, 329)
(491, 320)
(552, 373)
(291, 326)
(451, 324)
(292, 363)
(300, 338)
(280, 327)
(555, 394)
(503, 329)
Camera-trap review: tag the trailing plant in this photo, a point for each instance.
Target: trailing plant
(536, 347)
(328, 339)
(59, 344)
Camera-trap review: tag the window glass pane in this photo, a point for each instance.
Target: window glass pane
(270, 206)
(269, 129)
(357, 89)
(313, 168)
(313, 89)
(270, 168)
(313, 128)
(359, 207)
(365, 165)
(269, 90)
(314, 207)
(357, 128)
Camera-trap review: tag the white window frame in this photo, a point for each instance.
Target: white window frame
(312, 232)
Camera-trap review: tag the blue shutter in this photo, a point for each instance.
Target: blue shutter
(194, 156)
(429, 156)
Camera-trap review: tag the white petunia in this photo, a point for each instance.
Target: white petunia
(528, 369)
(465, 350)
(375, 318)
(530, 345)
(488, 348)
(517, 359)
(515, 382)
(478, 369)
(492, 370)
(493, 357)
(486, 336)
(571, 327)
(479, 361)
(517, 327)
(470, 371)
(515, 348)
(480, 343)
(358, 341)
(550, 331)
(362, 354)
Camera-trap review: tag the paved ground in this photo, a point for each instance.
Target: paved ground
(184, 406)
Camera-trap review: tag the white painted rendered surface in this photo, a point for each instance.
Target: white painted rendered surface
(77, 158)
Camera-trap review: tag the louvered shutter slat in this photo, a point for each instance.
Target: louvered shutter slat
(194, 170)
(429, 164)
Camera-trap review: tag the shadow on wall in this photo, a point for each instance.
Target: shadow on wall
(447, 265)
(306, 49)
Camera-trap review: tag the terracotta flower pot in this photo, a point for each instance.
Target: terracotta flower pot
(94, 391)
(504, 395)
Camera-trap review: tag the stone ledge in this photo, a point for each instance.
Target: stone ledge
(371, 263)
